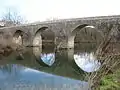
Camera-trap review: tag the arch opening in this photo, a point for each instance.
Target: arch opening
(37, 41)
(84, 34)
(18, 37)
(44, 38)
(48, 39)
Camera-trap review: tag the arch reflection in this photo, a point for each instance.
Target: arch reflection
(44, 57)
(37, 51)
(87, 62)
(48, 58)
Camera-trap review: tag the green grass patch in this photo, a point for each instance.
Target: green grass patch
(111, 81)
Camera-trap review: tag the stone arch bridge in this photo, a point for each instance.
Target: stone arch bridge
(60, 32)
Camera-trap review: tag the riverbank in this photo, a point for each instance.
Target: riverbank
(111, 81)
(6, 50)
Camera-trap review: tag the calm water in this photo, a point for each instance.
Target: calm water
(48, 69)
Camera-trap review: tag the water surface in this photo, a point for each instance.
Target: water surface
(48, 69)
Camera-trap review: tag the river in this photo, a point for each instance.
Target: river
(49, 69)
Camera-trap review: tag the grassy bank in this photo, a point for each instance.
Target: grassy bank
(111, 81)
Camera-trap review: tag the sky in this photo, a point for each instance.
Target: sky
(42, 10)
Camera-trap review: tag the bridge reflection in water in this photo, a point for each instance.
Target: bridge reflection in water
(48, 59)
(87, 62)
(63, 66)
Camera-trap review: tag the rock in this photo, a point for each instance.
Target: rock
(7, 51)
(1, 51)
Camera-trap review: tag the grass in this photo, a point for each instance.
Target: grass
(111, 81)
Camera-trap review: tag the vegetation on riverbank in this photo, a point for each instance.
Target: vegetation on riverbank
(111, 81)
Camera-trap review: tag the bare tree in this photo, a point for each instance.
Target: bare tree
(12, 18)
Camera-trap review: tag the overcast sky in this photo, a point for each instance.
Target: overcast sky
(41, 10)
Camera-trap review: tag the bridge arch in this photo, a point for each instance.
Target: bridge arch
(37, 41)
(44, 36)
(18, 37)
(83, 27)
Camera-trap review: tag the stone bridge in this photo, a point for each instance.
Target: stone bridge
(61, 33)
